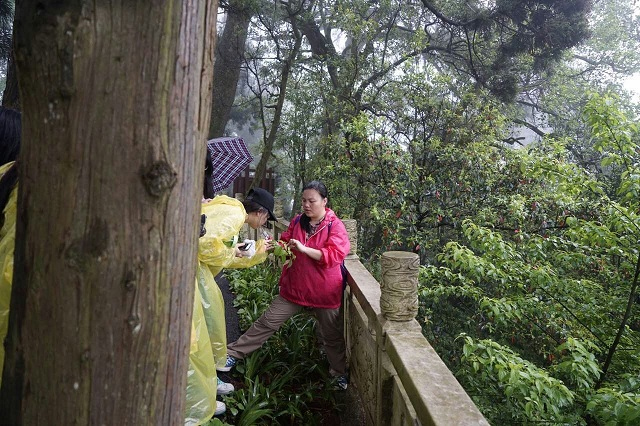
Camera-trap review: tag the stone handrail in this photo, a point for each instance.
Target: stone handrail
(399, 377)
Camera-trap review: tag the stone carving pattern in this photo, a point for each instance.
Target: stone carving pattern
(363, 361)
(399, 285)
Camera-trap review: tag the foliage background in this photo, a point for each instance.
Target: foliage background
(494, 139)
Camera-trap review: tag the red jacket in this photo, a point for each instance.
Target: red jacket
(316, 283)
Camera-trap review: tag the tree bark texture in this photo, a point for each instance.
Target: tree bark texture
(115, 100)
(229, 60)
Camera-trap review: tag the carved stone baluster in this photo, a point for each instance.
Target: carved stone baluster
(399, 285)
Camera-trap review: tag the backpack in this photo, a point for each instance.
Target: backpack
(343, 268)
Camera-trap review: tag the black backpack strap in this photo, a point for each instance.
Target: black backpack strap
(343, 267)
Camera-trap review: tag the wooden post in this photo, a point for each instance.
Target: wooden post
(399, 285)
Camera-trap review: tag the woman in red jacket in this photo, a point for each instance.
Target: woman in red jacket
(313, 280)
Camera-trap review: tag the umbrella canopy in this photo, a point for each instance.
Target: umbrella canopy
(229, 157)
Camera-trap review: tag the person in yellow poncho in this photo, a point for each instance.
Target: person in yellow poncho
(224, 218)
(10, 129)
(7, 243)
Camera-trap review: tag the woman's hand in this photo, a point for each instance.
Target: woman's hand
(297, 245)
(247, 248)
(311, 252)
(267, 246)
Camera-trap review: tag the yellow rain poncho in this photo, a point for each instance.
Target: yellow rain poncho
(224, 219)
(7, 243)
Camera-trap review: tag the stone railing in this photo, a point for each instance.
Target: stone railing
(398, 375)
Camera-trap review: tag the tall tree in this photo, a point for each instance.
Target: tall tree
(116, 99)
(485, 46)
(555, 99)
(270, 79)
(229, 61)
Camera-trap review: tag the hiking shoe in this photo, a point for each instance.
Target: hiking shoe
(224, 388)
(342, 382)
(220, 408)
(231, 362)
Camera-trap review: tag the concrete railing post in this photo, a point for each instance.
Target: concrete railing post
(399, 285)
(398, 303)
(352, 229)
(399, 377)
(351, 225)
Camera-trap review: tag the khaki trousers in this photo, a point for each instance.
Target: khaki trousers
(280, 310)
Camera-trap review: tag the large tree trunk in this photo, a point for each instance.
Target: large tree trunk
(229, 60)
(115, 101)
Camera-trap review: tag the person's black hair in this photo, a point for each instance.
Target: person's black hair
(318, 186)
(305, 221)
(208, 191)
(10, 128)
(7, 183)
(251, 206)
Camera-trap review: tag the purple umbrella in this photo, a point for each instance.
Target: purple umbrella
(230, 157)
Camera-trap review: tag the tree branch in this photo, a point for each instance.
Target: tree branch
(622, 327)
(431, 8)
(536, 106)
(530, 126)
